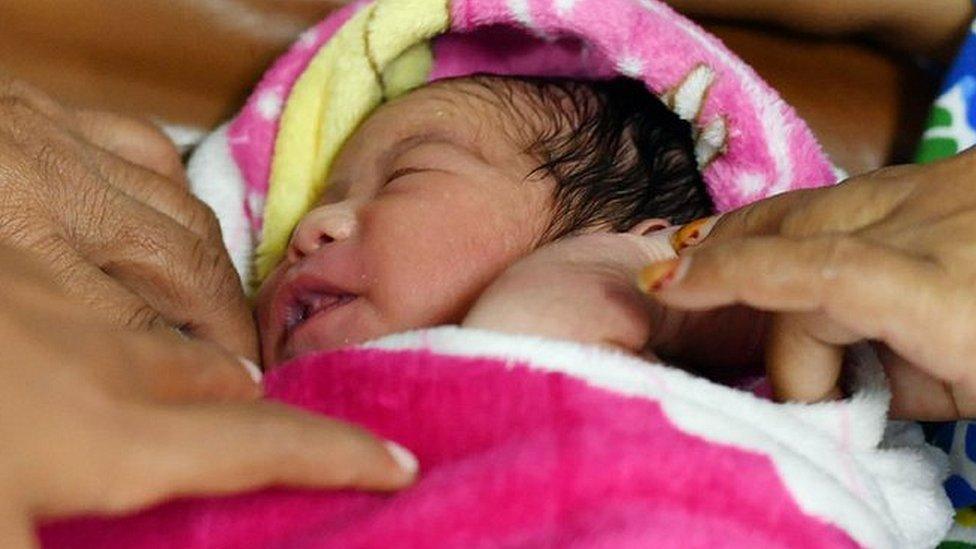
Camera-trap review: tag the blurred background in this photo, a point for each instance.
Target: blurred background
(192, 62)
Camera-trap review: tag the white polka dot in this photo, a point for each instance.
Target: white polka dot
(631, 66)
(564, 7)
(255, 202)
(308, 39)
(752, 184)
(269, 104)
(520, 10)
(522, 13)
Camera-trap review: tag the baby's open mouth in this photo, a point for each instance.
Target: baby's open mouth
(311, 304)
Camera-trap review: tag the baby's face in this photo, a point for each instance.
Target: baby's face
(427, 203)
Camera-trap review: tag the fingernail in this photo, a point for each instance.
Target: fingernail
(404, 458)
(251, 369)
(657, 276)
(693, 233)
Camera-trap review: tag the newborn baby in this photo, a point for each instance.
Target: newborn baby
(441, 190)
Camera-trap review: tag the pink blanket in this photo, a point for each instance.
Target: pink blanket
(532, 443)
(526, 442)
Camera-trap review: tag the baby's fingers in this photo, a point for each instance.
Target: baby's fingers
(225, 448)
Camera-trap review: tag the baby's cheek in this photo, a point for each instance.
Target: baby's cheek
(429, 268)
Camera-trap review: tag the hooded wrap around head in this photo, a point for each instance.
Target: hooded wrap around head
(748, 142)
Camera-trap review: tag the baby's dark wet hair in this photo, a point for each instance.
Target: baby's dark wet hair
(617, 153)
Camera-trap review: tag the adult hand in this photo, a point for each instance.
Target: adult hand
(889, 256)
(103, 201)
(88, 424)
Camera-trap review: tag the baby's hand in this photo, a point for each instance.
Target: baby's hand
(581, 288)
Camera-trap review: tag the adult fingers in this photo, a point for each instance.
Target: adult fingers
(847, 207)
(163, 365)
(149, 188)
(916, 394)
(225, 448)
(154, 360)
(190, 282)
(137, 141)
(16, 529)
(870, 290)
(802, 362)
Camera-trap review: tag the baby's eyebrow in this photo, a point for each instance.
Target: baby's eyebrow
(413, 141)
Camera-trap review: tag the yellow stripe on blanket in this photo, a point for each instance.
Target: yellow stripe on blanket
(381, 52)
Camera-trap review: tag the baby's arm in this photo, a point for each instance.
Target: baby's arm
(929, 27)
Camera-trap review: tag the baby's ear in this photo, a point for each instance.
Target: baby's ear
(649, 226)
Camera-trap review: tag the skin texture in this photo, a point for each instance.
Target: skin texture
(42, 148)
(887, 257)
(582, 289)
(98, 419)
(576, 289)
(103, 201)
(429, 201)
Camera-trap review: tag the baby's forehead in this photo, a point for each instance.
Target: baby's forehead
(521, 108)
(479, 115)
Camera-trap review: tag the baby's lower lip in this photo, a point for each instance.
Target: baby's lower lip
(297, 322)
(312, 305)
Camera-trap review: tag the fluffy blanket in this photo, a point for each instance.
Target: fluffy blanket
(525, 442)
(264, 170)
(531, 443)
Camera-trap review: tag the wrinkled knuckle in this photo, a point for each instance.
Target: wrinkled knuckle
(800, 223)
(51, 159)
(94, 211)
(839, 253)
(213, 267)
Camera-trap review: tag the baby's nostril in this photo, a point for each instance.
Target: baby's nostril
(325, 239)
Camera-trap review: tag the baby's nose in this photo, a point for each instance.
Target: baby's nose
(319, 227)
